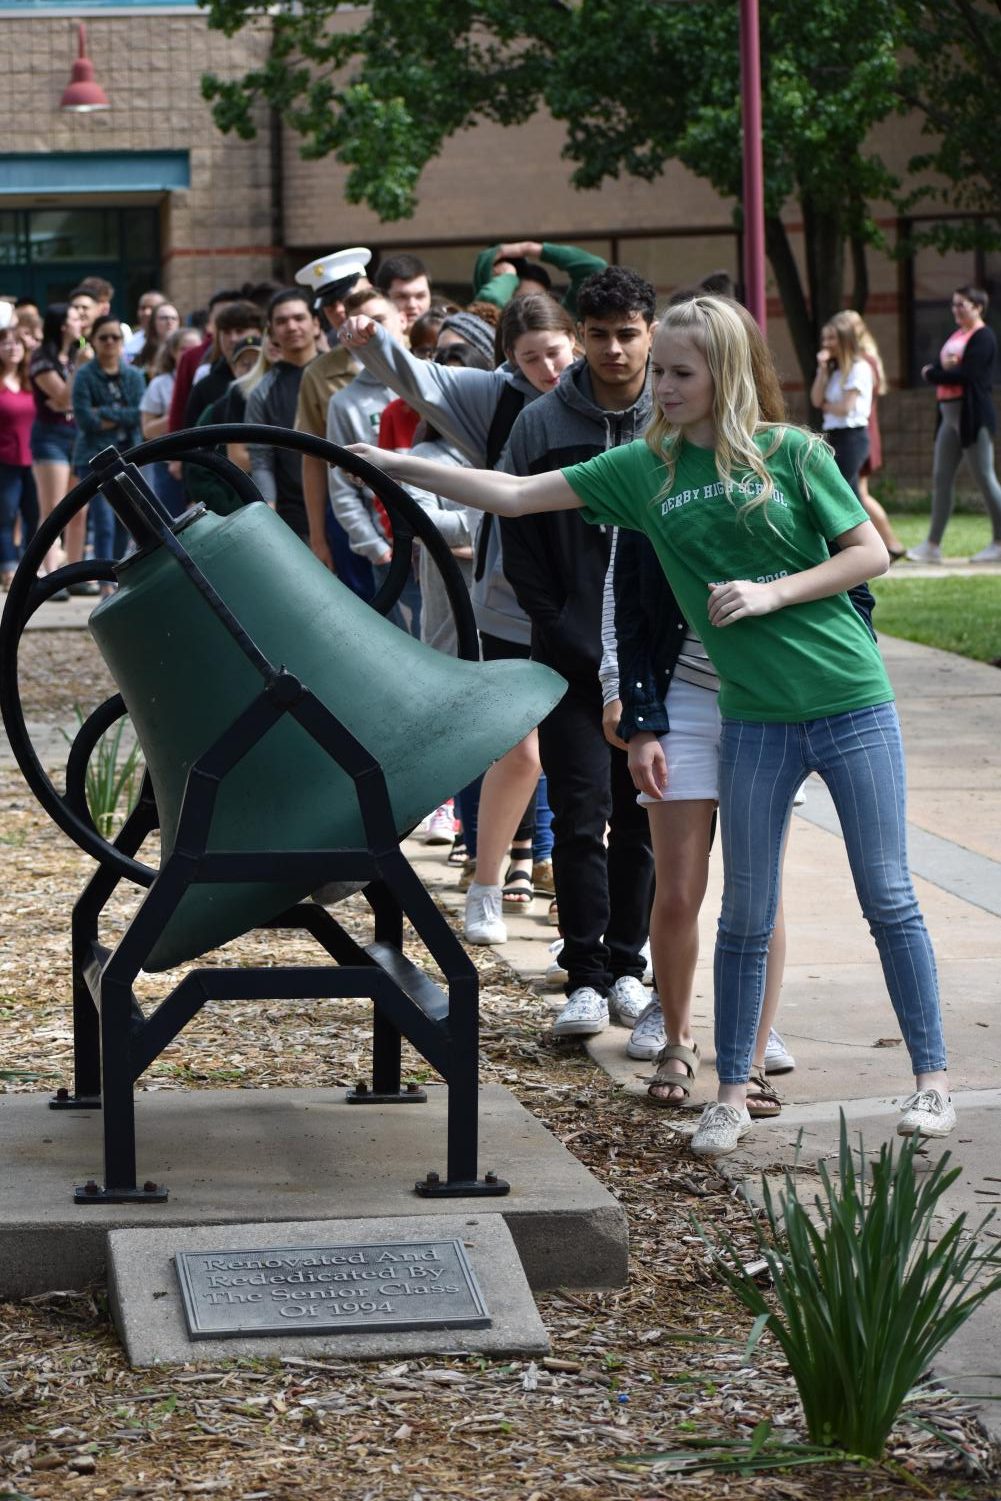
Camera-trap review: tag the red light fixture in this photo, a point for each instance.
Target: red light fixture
(83, 94)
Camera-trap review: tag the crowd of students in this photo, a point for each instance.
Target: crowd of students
(629, 506)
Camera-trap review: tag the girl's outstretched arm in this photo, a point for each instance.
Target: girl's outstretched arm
(861, 555)
(483, 489)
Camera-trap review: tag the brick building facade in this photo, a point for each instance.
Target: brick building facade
(149, 192)
(195, 208)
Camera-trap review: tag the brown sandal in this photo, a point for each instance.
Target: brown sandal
(666, 1078)
(763, 1104)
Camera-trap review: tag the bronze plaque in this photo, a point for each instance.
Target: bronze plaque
(330, 1289)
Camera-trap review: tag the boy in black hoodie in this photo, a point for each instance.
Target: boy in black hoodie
(556, 565)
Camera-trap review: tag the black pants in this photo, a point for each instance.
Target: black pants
(604, 894)
(851, 449)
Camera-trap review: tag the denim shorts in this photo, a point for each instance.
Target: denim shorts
(691, 748)
(52, 442)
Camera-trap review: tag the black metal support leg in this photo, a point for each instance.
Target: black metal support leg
(462, 1131)
(386, 1040)
(120, 1185)
(86, 1093)
(87, 909)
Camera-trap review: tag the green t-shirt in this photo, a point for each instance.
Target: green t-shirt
(804, 662)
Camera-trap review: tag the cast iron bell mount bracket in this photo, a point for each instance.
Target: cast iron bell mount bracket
(115, 1046)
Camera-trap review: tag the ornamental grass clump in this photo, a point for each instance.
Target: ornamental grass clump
(864, 1295)
(113, 778)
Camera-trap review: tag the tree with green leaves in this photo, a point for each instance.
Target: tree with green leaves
(638, 83)
(953, 79)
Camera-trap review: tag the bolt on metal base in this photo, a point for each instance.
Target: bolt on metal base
(63, 1100)
(433, 1186)
(411, 1094)
(92, 1192)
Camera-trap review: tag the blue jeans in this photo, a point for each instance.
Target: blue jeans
(860, 757)
(18, 497)
(167, 489)
(409, 600)
(108, 536)
(352, 570)
(467, 804)
(542, 839)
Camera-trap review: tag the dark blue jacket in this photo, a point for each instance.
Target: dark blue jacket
(98, 398)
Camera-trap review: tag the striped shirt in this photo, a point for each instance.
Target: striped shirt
(694, 666)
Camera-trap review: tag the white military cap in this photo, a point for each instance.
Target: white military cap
(335, 273)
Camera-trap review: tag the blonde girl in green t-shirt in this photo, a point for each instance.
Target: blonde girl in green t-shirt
(740, 513)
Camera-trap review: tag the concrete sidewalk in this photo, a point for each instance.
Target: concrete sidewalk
(835, 1014)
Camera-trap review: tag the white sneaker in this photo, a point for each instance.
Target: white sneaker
(483, 922)
(925, 552)
(441, 826)
(555, 974)
(584, 1015)
(778, 1059)
(627, 1000)
(648, 1035)
(927, 1112)
(648, 963)
(719, 1130)
(989, 554)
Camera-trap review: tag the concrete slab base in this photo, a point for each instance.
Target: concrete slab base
(263, 1156)
(148, 1311)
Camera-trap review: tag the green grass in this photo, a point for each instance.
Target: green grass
(964, 535)
(955, 614)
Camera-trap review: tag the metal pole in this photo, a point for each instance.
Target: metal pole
(754, 172)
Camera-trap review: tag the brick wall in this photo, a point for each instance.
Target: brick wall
(150, 66)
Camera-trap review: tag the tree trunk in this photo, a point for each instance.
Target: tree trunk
(794, 303)
(825, 262)
(860, 275)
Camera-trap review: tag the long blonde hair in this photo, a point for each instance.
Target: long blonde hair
(257, 372)
(868, 346)
(845, 331)
(747, 398)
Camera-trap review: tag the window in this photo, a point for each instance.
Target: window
(73, 234)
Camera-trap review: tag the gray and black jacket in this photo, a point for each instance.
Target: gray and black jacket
(462, 405)
(557, 562)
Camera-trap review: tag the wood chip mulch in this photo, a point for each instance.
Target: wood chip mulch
(642, 1370)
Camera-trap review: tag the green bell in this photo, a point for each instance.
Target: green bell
(433, 722)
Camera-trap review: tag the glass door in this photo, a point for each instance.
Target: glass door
(45, 253)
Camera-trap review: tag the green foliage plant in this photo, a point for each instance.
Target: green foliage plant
(864, 1294)
(113, 779)
(950, 78)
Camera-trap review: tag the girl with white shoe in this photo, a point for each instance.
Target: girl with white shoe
(740, 513)
(670, 722)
